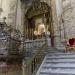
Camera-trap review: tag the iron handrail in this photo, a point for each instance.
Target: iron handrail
(33, 64)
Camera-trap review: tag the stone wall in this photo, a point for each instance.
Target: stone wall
(69, 18)
(4, 5)
(9, 10)
(10, 69)
(12, 12)
(58, 28)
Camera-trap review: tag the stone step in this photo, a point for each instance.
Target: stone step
(60, 61)
(57, 72)
(58, 64)
(61, 57)
(59, 53)
(54, 74)
(52, 51)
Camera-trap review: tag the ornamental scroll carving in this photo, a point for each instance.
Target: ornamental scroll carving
(36, 9)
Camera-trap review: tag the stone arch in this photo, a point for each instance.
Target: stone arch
(38, 9)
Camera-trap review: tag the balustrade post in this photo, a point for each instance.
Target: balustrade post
(33, 65)
(29, 72)
(30, 69)
(23, 68)
(36, 62)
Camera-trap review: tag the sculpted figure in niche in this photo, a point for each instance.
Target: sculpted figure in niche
(39, 30)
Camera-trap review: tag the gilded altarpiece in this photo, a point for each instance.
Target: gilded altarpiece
(38, 15)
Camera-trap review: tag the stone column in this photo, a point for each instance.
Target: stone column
(23, 68)
(18, 16)
(57, 38)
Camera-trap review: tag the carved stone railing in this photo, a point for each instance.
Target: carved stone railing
(33, 45)
(32, 63)
(13, 49)
(13, 46)
(9, 49)
(30, 46)
(9, 46)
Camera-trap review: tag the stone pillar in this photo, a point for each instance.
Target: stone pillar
(23, 68)
(55, 17)
(18, 16)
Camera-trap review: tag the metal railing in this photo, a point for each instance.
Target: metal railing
(31, 64)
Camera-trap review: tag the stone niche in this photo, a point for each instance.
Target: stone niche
(36, 15)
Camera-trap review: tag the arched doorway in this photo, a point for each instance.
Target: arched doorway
(39, 21)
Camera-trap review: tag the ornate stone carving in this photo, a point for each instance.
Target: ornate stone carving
(36, 9)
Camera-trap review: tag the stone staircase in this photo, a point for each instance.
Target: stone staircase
(58, 64)
(52, 50)
(3, 44)
(9, 46)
